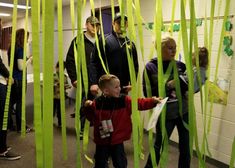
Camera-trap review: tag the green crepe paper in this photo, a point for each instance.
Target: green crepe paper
(48, 68)
(232, 161)
(134, 92)
(13, 36)
(23, 122)
(61, 77)
(37, 88)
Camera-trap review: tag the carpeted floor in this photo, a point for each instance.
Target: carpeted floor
(26, 147)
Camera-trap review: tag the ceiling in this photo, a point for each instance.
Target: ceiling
(20, 12)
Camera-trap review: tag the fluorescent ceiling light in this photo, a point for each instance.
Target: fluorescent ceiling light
(8, 5)
(5, 14)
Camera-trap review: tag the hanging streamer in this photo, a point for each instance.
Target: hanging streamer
(23, 122)
(48, 62)
(232, 161)
(61, 77)
(37, 88)
(135, 113)
(13, 36)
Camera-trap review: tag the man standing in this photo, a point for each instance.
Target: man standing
(114, 56)
(92, 27)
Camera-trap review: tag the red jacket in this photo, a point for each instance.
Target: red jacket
(119, 111)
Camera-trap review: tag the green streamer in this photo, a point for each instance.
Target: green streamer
(172, 17)
(61, 77)
(134, 107)
(187, 55)
(232, 161)
(48, 61)
(23, 122)
(72, 15)
(205, 27)
(112, 9)
(79, 53)
(13, 36)
(37, 88)
(97, 40)
(161, 86)
(135, 113)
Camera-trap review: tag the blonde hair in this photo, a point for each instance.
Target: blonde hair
(105, 80)
(166, 39)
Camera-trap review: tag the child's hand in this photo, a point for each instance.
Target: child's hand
(88, 103)
(157, 99)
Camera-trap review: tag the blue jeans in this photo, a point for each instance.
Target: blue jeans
(115, 151)
(184, 157)
(3, 133)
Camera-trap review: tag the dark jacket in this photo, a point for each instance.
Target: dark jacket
(172, 108)
(70, 60)
(19, 53)
(115, 59)
(119, 111)
(3, 70)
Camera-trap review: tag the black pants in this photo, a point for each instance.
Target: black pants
(3, 133)
(115, 151)
(16, 99)
(184, 157)
(57, 110)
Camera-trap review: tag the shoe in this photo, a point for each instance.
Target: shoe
(81, 135)
(8, 148)
(72, 115)
(9, 156)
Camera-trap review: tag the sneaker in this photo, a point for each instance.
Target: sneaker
(81, 135)
(8, 148)
(72, 115)
(9, 156)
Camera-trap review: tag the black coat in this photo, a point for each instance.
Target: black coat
(70, 60)
(115, 59)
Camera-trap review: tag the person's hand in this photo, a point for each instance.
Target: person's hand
(157, 99)
(94, 89)
(74, 84)
(127, 88)
(88, 103)
(171, 84)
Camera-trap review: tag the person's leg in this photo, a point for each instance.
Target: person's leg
(118, 156)
(101, 156)
(18, 105)
(169, 125)
(58, 111)
(3, 133)
(184, 157)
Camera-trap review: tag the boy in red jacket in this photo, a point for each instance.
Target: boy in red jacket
(111, 116)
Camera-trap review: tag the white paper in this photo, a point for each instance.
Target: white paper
(156, 112)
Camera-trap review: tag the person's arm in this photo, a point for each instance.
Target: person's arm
(3, 70)
(95, 68)
(70, 63)
(150, 80)
(89, 107)
(135, 59)
(147, 103)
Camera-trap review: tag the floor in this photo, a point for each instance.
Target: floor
(26, 147)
